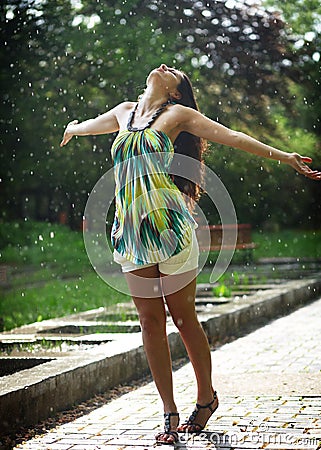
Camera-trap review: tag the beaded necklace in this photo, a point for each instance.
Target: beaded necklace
(153, 118)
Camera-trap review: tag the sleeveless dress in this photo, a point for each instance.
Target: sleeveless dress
(152, 221)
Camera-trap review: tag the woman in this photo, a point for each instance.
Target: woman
(157, 248)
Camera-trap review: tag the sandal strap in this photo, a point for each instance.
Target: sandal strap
(209, 405)
(191, 420)
(192, 417)
(167, 429)
(196, 426)
(168, 417)
(172, 433)
(161, 441)
(171, 414)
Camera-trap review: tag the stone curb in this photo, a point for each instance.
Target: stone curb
(32, 395)
(260, 308)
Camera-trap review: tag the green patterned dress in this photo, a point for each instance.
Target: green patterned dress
(152, 221)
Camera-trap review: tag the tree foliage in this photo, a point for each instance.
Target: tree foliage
(303, 43)
(62, 60)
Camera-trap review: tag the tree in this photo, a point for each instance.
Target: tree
(65, 60)
(302, 64)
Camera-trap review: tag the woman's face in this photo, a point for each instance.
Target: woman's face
(168, 77)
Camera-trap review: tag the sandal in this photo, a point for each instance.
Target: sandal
(167, 430)
(190, 426)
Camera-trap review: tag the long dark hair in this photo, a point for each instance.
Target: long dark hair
(189, 145)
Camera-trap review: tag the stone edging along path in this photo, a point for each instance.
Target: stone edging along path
(29, 396)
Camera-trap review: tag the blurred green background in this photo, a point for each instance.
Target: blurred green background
(254, 67)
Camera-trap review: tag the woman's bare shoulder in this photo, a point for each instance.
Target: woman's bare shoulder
(181, 114)
(182, 110)
(125, 106)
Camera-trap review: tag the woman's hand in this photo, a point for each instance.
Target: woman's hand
(68, 134)
(298, 163)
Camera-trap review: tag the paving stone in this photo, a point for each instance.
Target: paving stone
(56, 446)
(274, 417)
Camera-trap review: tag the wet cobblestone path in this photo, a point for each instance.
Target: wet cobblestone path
(269, 385)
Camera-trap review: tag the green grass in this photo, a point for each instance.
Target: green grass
(288, 243)
(43, 245)
(50, 274)
(281, 244)
(57, 298)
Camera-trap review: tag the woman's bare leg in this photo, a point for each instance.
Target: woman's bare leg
(181, 305)
(152, 316)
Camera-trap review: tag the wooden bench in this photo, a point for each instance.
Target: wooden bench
(243, 241)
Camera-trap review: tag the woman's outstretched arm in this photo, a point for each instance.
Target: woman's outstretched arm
(103, 124)
(195, 123)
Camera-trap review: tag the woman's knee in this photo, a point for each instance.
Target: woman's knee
(152, 324)
(186, 322)
(152, 315)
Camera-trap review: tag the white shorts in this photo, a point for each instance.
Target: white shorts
(185, 260)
